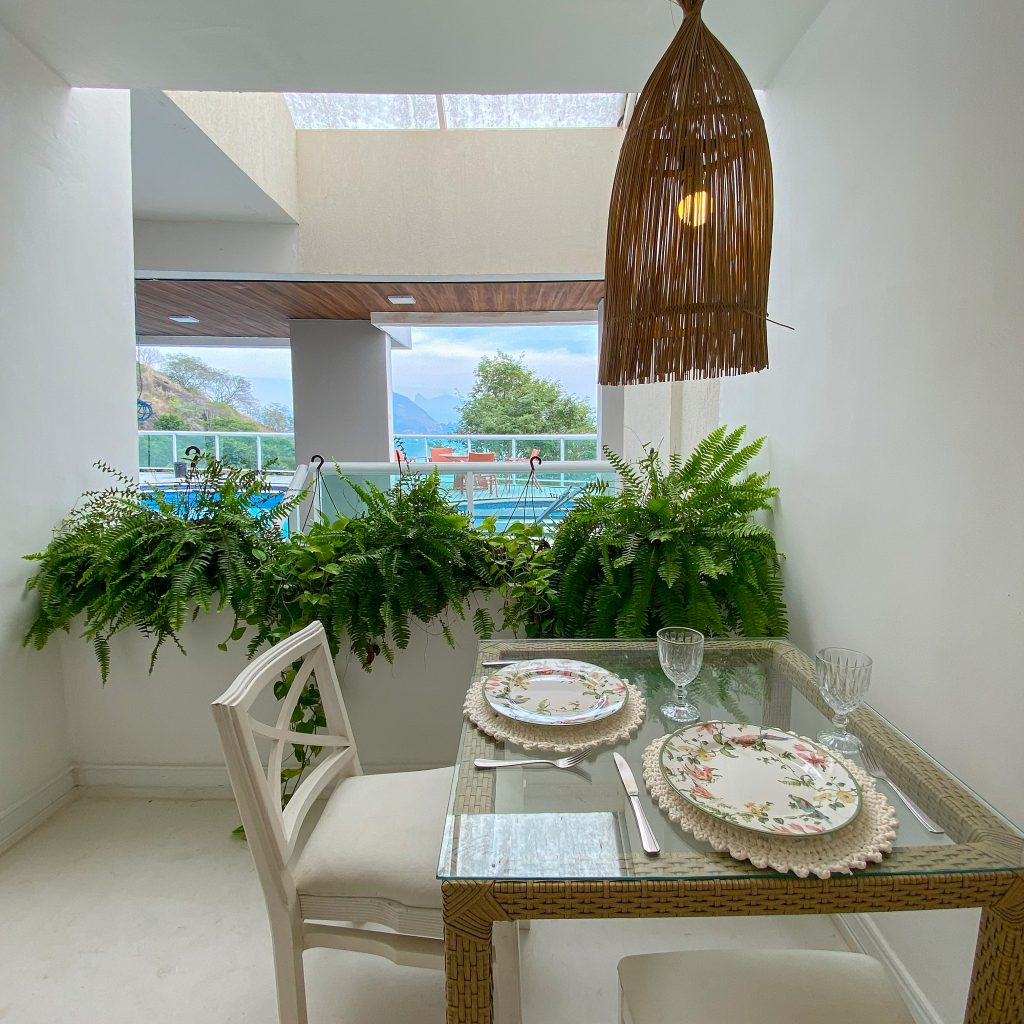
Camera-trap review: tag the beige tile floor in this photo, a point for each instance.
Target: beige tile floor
(128, 911)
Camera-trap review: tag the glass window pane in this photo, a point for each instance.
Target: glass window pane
(362, 110)
(534, 110)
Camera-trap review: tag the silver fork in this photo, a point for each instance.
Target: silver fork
(875, 769)
(563, 762)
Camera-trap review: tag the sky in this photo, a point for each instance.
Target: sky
(440, 362)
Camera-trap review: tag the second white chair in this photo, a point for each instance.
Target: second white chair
(772, 986)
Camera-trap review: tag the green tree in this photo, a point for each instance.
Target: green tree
(277, 417)
(190, 372)
(199, 376)
(170, 421)
(509, 398)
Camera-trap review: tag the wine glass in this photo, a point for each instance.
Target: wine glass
(681, 653)
(843, 678)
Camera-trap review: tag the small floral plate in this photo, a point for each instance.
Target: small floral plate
(554, 691)
(762, 779)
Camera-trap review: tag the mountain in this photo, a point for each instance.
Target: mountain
(193, 409)
(444, 408)
(410, 418)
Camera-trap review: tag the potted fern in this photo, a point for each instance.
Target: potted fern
(408, 555)
(672, 548)
(126, 558)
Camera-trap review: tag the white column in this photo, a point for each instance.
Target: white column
(609, 403)
(341, 386)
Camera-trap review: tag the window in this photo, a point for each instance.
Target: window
(456, 110)
(540, 110)
(232, 402)
(357, 110)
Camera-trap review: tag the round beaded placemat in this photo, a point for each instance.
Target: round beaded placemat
(864, 841)
(562, 739)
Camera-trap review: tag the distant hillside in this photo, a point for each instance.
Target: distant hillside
(444, 408)
(409, 418)
(197, 411)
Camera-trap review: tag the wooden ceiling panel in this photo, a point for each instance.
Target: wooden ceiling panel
(262, 309)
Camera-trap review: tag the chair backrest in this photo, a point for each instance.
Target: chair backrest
(534, 453)
(482, 457)
(272, 830)
(435, 452)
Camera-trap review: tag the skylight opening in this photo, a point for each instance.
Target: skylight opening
(362, 110)
(456, 110)
(535, 110)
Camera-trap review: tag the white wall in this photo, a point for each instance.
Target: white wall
(67, 337)
(894, 411)
(256, 131)
(216, 246)
(455, 202)
(671, 416)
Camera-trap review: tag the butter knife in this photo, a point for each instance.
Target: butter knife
(632, 791)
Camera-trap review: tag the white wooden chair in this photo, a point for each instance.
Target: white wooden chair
(372, 855)
(772, 986)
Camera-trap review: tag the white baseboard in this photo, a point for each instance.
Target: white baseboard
(186, 781)
(31, 811)
(863, 935)
(170, 781)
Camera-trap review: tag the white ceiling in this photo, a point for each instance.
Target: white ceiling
(397, 46)
(179, 173)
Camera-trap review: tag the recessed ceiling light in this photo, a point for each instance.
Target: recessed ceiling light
(402, 300)
(183, 319)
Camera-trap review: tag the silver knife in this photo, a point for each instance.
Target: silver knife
(646, 834)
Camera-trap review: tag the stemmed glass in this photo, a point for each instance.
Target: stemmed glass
(681, 653)
(843, 678)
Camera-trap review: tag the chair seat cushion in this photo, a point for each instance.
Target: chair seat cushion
(379, 837)
(770, 986)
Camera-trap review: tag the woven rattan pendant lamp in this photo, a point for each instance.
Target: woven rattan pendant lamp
(690, 226)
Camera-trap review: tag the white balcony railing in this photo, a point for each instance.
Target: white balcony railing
(507, 491)
(159, 450)
(560, 447)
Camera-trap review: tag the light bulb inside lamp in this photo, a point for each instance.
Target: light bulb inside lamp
(695, 209)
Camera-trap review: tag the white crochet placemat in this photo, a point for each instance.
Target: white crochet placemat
(863, 841)
(563, 739)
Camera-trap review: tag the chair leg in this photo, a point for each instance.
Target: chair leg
(508, 1008)
(288, 973)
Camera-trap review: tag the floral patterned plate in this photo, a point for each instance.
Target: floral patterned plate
(554, 691)
(762, 779)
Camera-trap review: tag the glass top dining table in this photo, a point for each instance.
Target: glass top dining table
(525, 844)
(542, 822)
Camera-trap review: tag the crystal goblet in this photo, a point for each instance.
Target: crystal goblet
(843, 678)
(681, 653)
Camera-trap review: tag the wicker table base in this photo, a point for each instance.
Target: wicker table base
(997, 985)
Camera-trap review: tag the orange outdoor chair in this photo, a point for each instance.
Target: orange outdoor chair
(489, 480)
(441, 454)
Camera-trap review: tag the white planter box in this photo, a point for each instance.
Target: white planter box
(156, 732)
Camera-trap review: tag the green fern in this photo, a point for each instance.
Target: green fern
(128, 559)
(409, 555)
(672, 548)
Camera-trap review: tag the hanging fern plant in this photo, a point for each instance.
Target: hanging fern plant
(672, 549)
(408, 555)
(132, 559)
